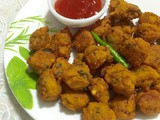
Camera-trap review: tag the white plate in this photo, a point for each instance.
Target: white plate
(36, 14)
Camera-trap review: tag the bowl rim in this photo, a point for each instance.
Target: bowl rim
(83, 20)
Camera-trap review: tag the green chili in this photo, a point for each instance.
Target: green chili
(115, 54)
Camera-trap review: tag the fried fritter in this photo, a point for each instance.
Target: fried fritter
(95, 56)
(121, 79)
(41, 61)
(99, 90)
(153, 58)
(78, 76)
(149, 32)
(149, 17)
(121, 10)
(47, 86)
(75, 101)
(82, 39)
(135, 51)
(98, 111)
(62, 41)
(41, 40)
(149, 102)
(148, 27)
(146, 77)
(60, 65)
(123, 107)
(118, 35)
(101, 26)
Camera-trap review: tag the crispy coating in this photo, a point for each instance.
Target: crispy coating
(146, 77)
(99, 90)
(122, 23)
(59, 67)
(40, 40)
(95, 56)
(98, 111)
(47, 86)
(149, 32)
(41, 61)
(101, 26)
(124, 108)
(121, 10)
(158, 69)
(78, 76)
(118, 35)
(62, 41)
(157, 87)
(135, 51)
(121, 79)
(153, 58)
(149, 17)
(148, 27)
(149, 102)
(75, 101)
(82, 39)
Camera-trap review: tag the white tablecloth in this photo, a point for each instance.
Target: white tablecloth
(9, 107)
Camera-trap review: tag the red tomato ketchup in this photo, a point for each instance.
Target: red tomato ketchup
(77, 9)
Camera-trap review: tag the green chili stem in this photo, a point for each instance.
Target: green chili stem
(115, 54)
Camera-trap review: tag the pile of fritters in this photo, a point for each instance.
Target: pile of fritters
(94, 83)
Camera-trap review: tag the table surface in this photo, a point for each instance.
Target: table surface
(9, 107)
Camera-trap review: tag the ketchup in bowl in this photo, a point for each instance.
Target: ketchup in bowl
(77, 9)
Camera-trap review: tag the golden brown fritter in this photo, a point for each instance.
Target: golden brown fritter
(62, 41)
(121, 79)
(123, 107)
(149, 32)
(41, 61)
(78, 76)
(121, 10)
(101, 26)
(153, 58)
(82, 39)
(148, 27)
(149, 17)
(149, 102)
(99, 90)
(75, 101)
(135, 51)
(95, 56)
(59, 67)
(98, 111)
(118, 35)
(47, 86)
(146, 77)
(40, 40)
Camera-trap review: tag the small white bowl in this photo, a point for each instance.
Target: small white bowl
(78, 22)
